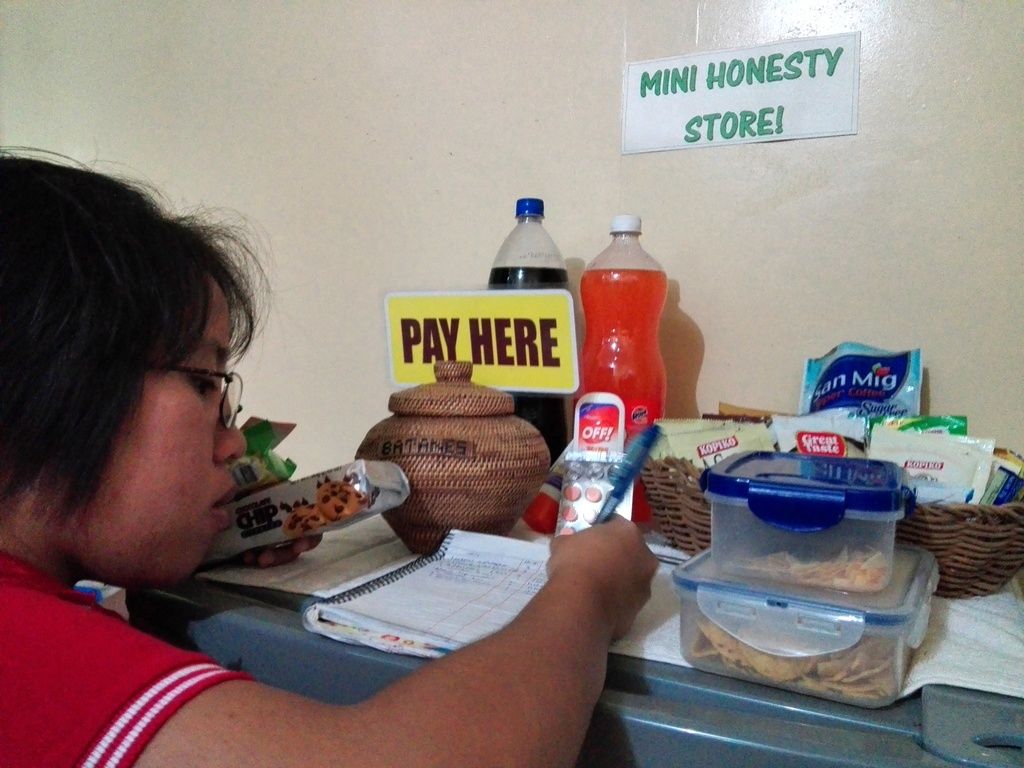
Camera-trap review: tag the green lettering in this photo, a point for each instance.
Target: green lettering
(792, 70)
(832, 59)
(764, 122)
(712, 118)
(747, 119)
(649, 82)
(729, 124)
(773, 74)
(755, 70)
(679, 80)
(735, 74)
(719, 78)
(693, 129)
(778, 118)
(812, 59)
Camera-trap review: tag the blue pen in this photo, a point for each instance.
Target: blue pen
(624, 473)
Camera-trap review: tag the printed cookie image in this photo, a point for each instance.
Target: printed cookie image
(339, 500)
(304, 519)
(357, 481)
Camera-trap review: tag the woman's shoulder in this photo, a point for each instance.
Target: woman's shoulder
(33, 600)
(65, 659)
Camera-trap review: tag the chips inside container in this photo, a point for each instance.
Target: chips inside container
(808, 520)
(853, 648)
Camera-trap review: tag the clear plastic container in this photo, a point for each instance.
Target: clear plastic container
(853, 648)
(810, 520)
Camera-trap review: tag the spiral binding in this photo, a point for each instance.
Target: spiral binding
(389, 577)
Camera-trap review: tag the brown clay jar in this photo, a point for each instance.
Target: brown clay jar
(472, 463)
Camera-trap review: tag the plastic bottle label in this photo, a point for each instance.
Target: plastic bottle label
(640, 414)
(600, 423)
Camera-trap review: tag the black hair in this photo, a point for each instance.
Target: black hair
(98, 285)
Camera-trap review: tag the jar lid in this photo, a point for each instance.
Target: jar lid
(453, 394)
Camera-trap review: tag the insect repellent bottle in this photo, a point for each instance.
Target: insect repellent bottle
(623, 293)
(529, 258)
(598, 427)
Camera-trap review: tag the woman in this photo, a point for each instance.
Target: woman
(117, 421)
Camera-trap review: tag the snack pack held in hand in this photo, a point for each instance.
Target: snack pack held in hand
(863, 380)
(327, 500)
(261, 466)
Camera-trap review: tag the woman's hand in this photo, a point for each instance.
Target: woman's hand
(267, 557)
(612, 561)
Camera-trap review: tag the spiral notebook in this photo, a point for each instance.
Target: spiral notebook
(431, 605)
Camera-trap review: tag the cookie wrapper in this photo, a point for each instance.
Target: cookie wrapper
(326, 501)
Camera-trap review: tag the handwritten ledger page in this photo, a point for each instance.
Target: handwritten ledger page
(472, 586)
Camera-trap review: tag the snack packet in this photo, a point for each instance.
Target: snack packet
(1007, 481)
(704, 442)
(261, 466)
(829, 433)
(947, 425)
(864, 380)
(327, 500)
(731, 410)
(943, 468)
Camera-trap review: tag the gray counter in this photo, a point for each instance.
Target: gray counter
(650, 714)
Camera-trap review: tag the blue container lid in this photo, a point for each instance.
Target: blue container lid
(529, 206)
(810, 493)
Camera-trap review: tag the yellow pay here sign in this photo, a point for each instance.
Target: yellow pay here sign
(517, 340)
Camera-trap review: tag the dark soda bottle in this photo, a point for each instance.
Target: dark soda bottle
(529, 258)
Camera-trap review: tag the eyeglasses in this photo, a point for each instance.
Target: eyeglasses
(231, 390)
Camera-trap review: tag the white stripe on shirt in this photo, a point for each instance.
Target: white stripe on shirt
(144, 708)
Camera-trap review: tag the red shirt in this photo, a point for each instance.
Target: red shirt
(78, 685)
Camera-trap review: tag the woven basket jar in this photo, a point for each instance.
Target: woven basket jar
(472, 463)
(978, 547)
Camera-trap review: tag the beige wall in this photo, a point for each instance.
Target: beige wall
(380, 146)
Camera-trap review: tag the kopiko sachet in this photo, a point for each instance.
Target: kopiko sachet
(864, 381)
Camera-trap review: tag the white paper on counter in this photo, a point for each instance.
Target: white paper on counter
(973, 642)
(343, 555)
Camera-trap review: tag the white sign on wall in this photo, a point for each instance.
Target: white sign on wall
(796, 89)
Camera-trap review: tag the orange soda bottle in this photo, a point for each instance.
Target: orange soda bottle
(623, 293)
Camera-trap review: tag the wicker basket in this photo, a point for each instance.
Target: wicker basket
(978, 547)
(672, 487)
(472, 463)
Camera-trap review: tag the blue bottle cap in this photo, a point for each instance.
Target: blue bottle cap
(529, 206)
